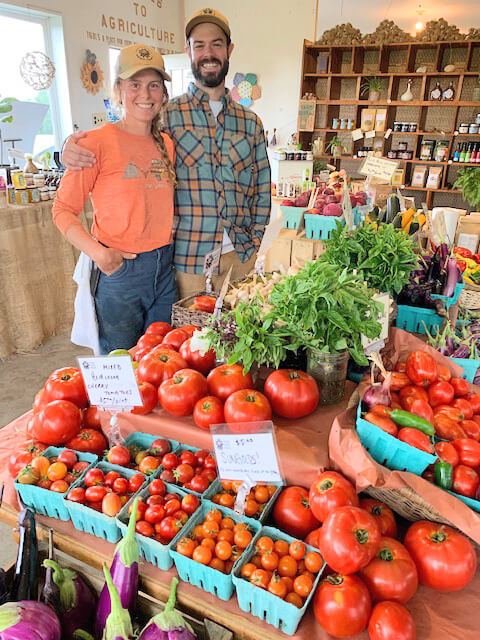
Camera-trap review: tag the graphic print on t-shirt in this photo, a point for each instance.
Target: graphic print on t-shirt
(130, 171)
(157, 170)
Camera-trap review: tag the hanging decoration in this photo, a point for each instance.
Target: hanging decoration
(91, 74)
(37, 70)
(246, 89)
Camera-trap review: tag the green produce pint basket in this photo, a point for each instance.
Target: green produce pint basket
(469, 367)
(50, 503)
(216, 487)
(319, 227)
(470, 502)
(448, 301)
(292, 217)
(416, 320)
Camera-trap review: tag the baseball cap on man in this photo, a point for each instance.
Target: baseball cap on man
(138, 57)
(207, 15)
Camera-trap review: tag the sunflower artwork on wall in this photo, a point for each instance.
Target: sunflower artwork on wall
(91, 73)
(246, 89)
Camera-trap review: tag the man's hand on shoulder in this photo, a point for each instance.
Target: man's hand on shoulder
(75, 157)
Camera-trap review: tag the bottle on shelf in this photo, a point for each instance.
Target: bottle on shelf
(437, 92)
(456, 155)
(473, 157)
(468, 154)
(463, 151)
(449, 93)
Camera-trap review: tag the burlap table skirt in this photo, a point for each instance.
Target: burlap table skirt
(36, 287)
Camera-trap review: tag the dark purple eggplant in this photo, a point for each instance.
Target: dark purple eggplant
(118, 625)
(25, 580)
(51, 593)
(124, 571)
(440, 308)
(29, 620)
(169, 624)
(77, 602)
(463, 351)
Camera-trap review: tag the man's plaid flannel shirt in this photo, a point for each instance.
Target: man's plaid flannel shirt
(223, 178)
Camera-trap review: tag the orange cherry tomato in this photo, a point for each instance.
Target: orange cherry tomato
(289, 582)
(260, 578)
(214, 515)
(202, 554)
(59, 486)
(257, 561)
(251, 508)
(197, 533)
(270, 561)
(227, 523)
(297, 549)
(57, 471)
(313, 561)
(223, 550)
(209, 543)
(261, 494)
(302, 585)
(287, 566)
(281, 548)
(218, 564)
(185, 547)
(277, 587)
(247, 570)
(264, 544)
(111, 504)
(226, 500)
(242, 539)
(210, 528)
(295, 599)
(225, 534)
(41, 464)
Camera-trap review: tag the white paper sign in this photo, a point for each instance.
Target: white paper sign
(370, 134)
(372, 344)
(388, 133)
(379, 168)
(110, 382)
(247, 456)
(357, 134)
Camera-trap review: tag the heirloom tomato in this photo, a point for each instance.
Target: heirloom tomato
(468, 451)
(179, 394)
(447, 452)
(391, 621)
(445, 558)
(349, 539)
(421, 408)
(58, 422)
(446, 428)
(444, 372)
(328, 491)
(69, 458)
(149, 396)
(342, 605)
(67, 384)
(416, 438)
(195, 360)
(312, 538)
(421, 368)
(292, 512)
(161, 328)
(474, 399)
(399, 381)
(189, 329)
(119, 455)
(465, 481)
(383, 515)
(41, 400)
(471, 428)
(205, 303)
(159, 365)
(160, 447)
(412, 391)
(440, 392)
(111, 504)
(90, 441)
(247, 405)
(91, 418)
(24, 455)
(176, 338)
(464, 407)
(148, 341)
(226, 379)
(460, 386)
(292, 394)
(208, 411)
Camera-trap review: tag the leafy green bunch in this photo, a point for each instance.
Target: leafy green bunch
(383, 257)
(469, 182)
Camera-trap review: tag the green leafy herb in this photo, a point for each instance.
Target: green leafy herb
(469, 182)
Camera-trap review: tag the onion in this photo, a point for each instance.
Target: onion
(378, 393)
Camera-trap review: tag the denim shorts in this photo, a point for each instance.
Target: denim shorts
(140, 292)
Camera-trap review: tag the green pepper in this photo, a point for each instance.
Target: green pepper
(406, 419)
(443, 474)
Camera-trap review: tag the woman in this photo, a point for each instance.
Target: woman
(131, 188)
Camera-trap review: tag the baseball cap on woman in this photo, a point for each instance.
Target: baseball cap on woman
(138, 57)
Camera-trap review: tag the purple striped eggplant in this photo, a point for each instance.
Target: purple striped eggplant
(118, 625)
(124, 571)
(169, 624)
(77, 601)
(28, 619)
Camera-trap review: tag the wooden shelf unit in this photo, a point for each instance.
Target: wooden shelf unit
(339, 92)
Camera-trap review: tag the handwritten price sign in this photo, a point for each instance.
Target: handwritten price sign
(250, 456)
(110, 382)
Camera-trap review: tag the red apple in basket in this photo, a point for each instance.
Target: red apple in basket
(287, 203)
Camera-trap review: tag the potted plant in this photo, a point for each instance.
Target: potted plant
(372, 86)
(335, 146)
(468, 182)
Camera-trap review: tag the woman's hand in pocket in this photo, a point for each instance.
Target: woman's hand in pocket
(111, 260)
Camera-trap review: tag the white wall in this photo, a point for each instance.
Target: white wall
(96, 25)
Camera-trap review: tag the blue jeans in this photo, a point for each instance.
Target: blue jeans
(140, 292)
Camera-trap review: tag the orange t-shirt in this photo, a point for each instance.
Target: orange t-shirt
(131, 196)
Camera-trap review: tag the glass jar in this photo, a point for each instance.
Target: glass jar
(335, 123)
(413, 127)
(405, 126)
(402, 146)
(38, 180)
(21, 196)
(330, 372)
(473, 128)
(44, 193)
(29, 179)
(52, 191)
(463, 128)
(33, 194)
(397, 126)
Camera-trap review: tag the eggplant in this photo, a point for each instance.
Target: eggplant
(77, 602)
(25, 580)
(169, 624)
(51, 593)
(29, 620)
(124, 571)
(118, 625)
(452, 278)
(4, 589)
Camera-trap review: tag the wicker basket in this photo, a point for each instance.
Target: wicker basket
(182, 315)
(470, 296)
(407, 503)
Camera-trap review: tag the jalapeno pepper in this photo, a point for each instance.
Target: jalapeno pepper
(406, 419)
(443, 474)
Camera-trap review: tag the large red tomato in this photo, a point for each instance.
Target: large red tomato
(392, 574)
(149, 396)
(292, 394)
(445, 558)
(24, 455)
(58, 422)
(312, 538)
(349, 539)
(247, 405)
(328, 491)
(342, 605)
(91, 418)
(41, 400)
(208, 411)
(226, 379)
(189, 329)
(383, 514)
(161, 328)
(195, 360)
(179, 394)
(67, 384)
(176, 338)
(292, 512)
(147, 342)
(159, 365)
(90, 441)
(421, 368)
(391, 621)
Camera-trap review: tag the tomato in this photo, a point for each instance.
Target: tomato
(160, 447)
(416, 438)
(56, 471)
(292, 512)
(312, 538)
(349, 539)
(391, 621)
(421, 368)
(342, 605)
(183, 473)
(144, 528)
(79, 467)
(149, 465)
(95, 493)
(421, 408)
(69, 458)
(447, 452)
(168, 527)
(447, 428)
(205, 303)
(247, 405)
(440, 392)
(465, 408)
(67, 384)
(444, 372)
(157, 487)
(189, 329)
(175, 338)
(25, 454)
(226, 379)
(135, 482)
(199, 484)
(159, 365)
(28, 475)
(401, 367)
(412, 391)
(186, 547)
(465, 481)
(188, 457)
(111, 504)
(119, 455)
(474, 399)
(276, 586)
(445, 558)
(94, 477)
(179, 395)
(58, 422)
(148, 341)
(449, 411)
(77, 495)
(154, 513)
(292, 394)
(161, 328)
(302, 585)
(384, 516)
(328, 491)
(195, 360)
(260, 578)
(170, 461)
(40, 401)
(90, 441)
(471, 428)
(190, 503)
(120, 486)
(468, 451)
(398, 381)
(32, 424)
(59, 486)
(41, 464)
(111, 477)
(460, 387)
(148, 394)
(208, 411)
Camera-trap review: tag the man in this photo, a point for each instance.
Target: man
(223, 176)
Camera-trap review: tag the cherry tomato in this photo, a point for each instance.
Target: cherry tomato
(144, 528)
(111, 504)
(303, 585)
(186, 547)
(57, 471)
(68, 457)
(297, 550)
(95, 493)
(170, 461)
(77, 495)
(260, 578)
(313, 561)
(190, 503)
(119, 455)
(277, 586)
(41, 464)
(120, 486)
(202, 554)
(154, 514)
(199, 484)
(135, 482)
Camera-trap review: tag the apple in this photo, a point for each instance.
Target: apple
(314, 211)
(353, 200)
(331, 199)
(287, 203)
(332, 209)
(328, 192)
(119, 352)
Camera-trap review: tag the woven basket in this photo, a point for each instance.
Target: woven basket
(408, 504)
(182, 315)
(470, 296)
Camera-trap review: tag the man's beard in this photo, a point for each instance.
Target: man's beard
(210, 79)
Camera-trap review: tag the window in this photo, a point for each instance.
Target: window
(23, 31)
